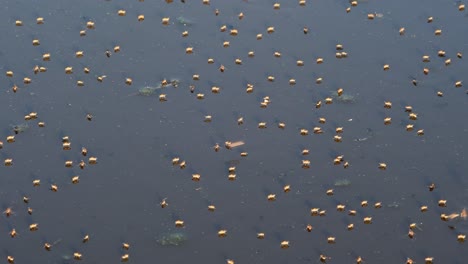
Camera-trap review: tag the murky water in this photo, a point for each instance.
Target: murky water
(135, 138)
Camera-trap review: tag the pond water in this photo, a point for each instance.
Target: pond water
(275, 93)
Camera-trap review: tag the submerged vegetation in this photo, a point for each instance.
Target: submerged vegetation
(343, 98)
(342, 183)
(184, 21)
(151, 90)
(172, 239)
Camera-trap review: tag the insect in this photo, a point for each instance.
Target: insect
(8, 212)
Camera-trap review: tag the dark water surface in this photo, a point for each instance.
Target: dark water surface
(136, 137)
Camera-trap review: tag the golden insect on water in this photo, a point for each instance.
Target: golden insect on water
(8, 212)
